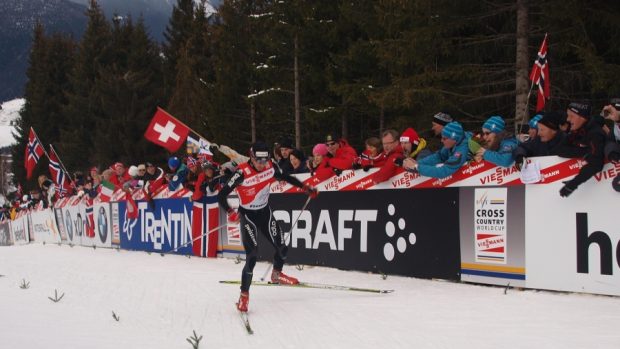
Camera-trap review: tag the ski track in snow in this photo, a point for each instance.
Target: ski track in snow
(160, 300)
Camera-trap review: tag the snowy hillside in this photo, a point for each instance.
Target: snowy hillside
(9, 114)
(161, 300)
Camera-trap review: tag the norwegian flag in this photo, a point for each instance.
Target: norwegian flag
(205, 221)
(34, 150)
(63, 187)
(540, 76)
(165, 130)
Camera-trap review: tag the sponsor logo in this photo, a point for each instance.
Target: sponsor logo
(599, 239)
(336, 181)
(102, 224)
(490, 210)
(313, 232)
(170, 227)
(69, 225)
(401, 242)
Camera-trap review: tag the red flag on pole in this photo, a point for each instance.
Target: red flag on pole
(540, 76)
(165, 130)
(34, 150)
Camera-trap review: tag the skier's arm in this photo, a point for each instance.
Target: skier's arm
(235, 180)
(287, 178)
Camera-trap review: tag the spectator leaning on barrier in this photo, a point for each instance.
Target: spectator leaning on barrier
(440, 120)
(119, 176)
(498, 145)
(372, 156)
(207, 184)
(178, 175)
(286, 147)
(153, 172)
(394, 156)
(612, 146)
(298, 162)
(341, 155)
(548, 141)
(586, 139)
(533, 124)
(449, 159)
(413, 146)
(319, 167)
(192, 173)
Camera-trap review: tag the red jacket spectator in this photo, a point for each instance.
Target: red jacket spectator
(372, 160)
(392, 151)
(319, 166)
(119, 176)
(342, 154)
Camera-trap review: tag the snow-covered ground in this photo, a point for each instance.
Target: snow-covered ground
(161, 300)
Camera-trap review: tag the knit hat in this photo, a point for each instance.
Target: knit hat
(494, 124)
(260, 151)
(117, 165)
(534, 121)
(453, 130)
(286, 143)
(411, 136)
(582, 109)
(174, 163)
(615, 102)
(320, 149)
(332, 137)
(133, 171)
(553, 120)
(442, 118)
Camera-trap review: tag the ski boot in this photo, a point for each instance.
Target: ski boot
(278, 277)
(244, 302)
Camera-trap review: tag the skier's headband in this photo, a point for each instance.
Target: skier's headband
(261, 156)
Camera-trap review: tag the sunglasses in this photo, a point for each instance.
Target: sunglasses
(329, 144)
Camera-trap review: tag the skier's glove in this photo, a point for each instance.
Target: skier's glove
(310, 191)
(567, 189)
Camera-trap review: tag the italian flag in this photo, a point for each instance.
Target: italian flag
(107, 189)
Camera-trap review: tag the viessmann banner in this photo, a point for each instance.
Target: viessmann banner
(405, 232)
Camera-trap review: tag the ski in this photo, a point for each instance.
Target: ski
(312, 285)
(246, 321)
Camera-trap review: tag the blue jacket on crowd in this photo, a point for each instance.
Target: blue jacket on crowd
(445, 162)
(503, 156)
(180, 176)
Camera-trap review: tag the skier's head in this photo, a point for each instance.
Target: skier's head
(259, 154)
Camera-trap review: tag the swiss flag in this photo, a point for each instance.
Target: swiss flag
(165, 130)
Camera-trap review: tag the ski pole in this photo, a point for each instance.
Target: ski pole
(201, 235)
(290, 233)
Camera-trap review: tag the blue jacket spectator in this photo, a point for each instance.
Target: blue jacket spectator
(498, 145)
(179, 175)
(452, 155)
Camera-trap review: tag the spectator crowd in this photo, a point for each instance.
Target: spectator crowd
(572, 133)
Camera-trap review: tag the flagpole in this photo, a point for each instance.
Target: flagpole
(37, 137)
(63, 166)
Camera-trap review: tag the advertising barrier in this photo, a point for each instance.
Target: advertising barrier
(19, 229)
(161, 228)
(492, 235)
(44, 226)
(402, 232)
(102, 213)
(6, 238)
(573, 244)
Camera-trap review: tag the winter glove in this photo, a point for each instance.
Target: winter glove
(519, 162)
(337, 171)
(310, 191)
(233, 216)
(213, 147)
(367, 168)
(614, 156)
(567, 189)
(357, 165)
(399, 161)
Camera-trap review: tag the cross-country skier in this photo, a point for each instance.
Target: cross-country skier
(252, 180)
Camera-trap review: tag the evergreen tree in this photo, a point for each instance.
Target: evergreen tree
(177, 32)
(84, 107)
(50, 62)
